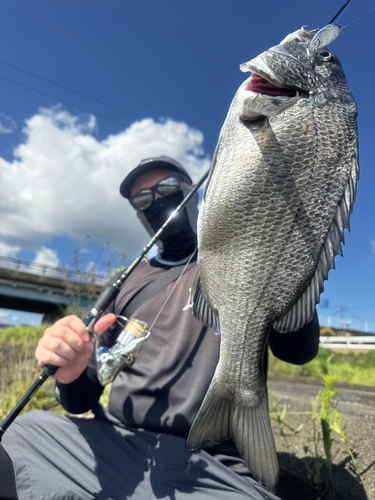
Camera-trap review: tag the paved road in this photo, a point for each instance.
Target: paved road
(354, 398)
(357, 406)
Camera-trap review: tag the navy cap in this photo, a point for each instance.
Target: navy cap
(157, 163)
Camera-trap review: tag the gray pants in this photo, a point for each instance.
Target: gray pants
(58, 457)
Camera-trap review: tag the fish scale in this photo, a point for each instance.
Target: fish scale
(279, 196)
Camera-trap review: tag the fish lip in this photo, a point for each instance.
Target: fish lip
(274, 82)
(265, 72)
(258, 67)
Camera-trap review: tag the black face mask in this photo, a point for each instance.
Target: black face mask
(178, 238)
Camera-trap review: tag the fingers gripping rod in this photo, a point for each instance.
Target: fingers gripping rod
(104, 300)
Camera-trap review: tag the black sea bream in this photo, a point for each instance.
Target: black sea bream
(279, 196)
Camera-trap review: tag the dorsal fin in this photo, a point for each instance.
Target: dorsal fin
(304, 308)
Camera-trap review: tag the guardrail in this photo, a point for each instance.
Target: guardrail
(345, 324)
(356, 342)
(60, 273)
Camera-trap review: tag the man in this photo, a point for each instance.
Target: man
(137, 448)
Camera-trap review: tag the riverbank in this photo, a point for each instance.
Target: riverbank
(356, 404)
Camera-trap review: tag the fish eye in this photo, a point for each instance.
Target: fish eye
(326, 56)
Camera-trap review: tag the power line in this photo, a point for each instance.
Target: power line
(69, 103)
(362, 216)
(45, 94)
(372, 212)
(69, 89)
(364, 307)
(77, 92)
(101, 102)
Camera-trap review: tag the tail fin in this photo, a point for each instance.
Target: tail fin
(220, 418)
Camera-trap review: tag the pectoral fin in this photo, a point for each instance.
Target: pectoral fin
(201, 308)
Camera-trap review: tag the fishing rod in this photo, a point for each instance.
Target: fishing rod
(108, 296)
(340, 11)
(105, 299)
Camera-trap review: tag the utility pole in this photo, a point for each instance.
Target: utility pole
(344, 324)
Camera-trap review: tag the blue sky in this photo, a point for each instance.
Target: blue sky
(89, 88)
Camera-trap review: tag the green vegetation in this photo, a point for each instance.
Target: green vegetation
(327, 435)
(43, 400)
(350, 367)
(22, 334)
(320, 433)
(18, 369)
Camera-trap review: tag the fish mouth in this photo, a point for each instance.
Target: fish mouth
(260, 85)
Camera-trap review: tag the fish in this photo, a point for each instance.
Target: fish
(278, 199)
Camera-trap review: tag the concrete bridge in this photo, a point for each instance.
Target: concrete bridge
(47, 290)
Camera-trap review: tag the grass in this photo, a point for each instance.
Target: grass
(18, 369)
(323, 441)
(350, 367)
(22, 334)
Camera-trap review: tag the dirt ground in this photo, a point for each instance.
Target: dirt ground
(357, 406)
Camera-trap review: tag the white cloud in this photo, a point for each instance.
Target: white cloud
(63, 181)
(7, 125)
(373, 245)
(46, 257)
(8, 250)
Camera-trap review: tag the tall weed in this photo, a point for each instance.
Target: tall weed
(326, 430)
(18, 371)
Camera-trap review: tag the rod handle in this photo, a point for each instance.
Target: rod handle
(50, 370)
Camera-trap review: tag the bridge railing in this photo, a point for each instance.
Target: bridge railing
(92, 277)
(360, 342)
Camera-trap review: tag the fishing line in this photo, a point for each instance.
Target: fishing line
(106, 298)
(324, 36)
(173, 288)
(358, 18)
(340, 13)
(330, 32)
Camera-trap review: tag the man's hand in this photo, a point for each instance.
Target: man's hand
(69, 345)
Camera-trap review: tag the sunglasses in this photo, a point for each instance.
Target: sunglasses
(165, 187)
